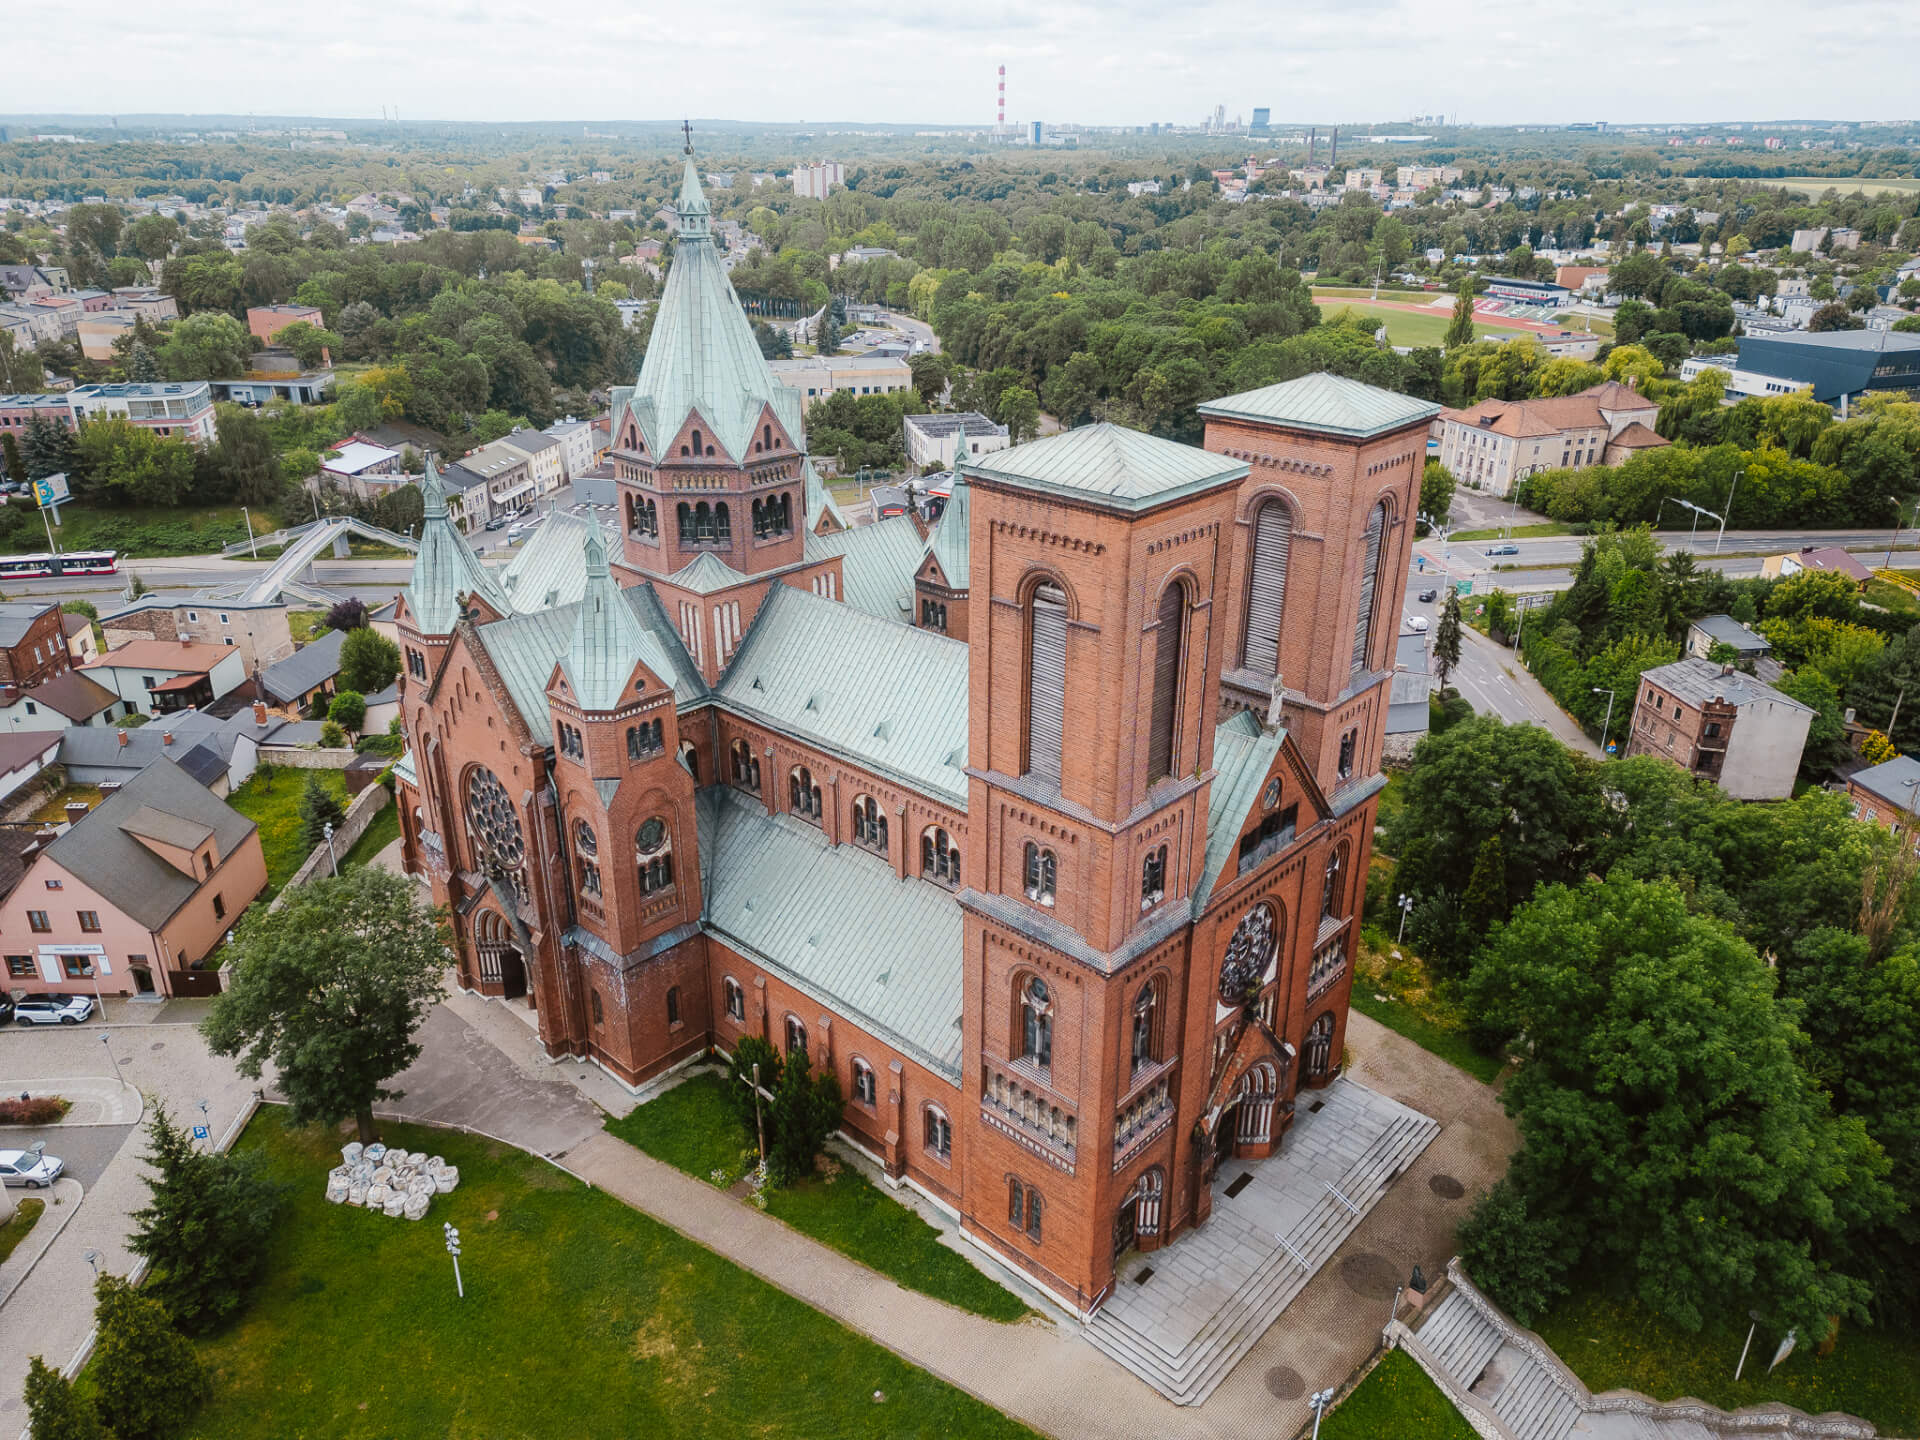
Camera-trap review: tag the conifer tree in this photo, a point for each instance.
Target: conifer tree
(141, 366)
(1446, 641)
(1460, 331)
(319, 808)
(146, 1375)
(54, 1410)
(806, 1110)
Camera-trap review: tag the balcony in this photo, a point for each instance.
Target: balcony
(1010, 1104)
(1148, 1113)
(1329, 964)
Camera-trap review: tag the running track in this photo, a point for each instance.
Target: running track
(1483, 308)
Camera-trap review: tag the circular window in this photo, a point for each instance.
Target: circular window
(1271, 796)
(653, 834)
(493, 825)
(1248, 954)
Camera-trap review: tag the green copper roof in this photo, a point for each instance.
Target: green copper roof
(608, 639)
(1330, 403)
(550, 568)
(702, 358)
(837, 923)
(705, 574)
(445, 567)
(885, 694)
(1107, 465)
(950, 543)
(1243, 752)
(819, 500)
(877, 563)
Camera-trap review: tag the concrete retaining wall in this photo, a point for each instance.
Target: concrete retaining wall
(300, 758)
(367, 804)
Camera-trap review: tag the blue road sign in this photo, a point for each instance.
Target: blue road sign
(200, 1132)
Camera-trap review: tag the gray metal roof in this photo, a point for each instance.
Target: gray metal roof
(445, 568)
(837, 923)
(877, 562)
(102, 853)
(1894, 781)
(308, 668)
(1330, 403)
(17, 617)
(890, 696)
(525, 649)
(97, 747)
(951, 542)
(549, 569)
(608, 639)
(939, 427)
(1107, 465)
(1243, 752)
(702, 358)
(1729, 631)
(1700, 682)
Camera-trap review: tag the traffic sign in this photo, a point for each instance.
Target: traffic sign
(1463, 587)
(200, 1132)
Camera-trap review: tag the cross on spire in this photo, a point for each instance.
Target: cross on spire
(687, 126)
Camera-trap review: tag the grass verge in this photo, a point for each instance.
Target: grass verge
(1401, 996)
(271, 799)
(1396, 1402)
(1543, 531)
(142, 532)
(26, 1215)
(582, 1319)
(381, 832)
(693, 1128)
(1612, 1343)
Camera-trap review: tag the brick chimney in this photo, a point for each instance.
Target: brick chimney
(166, 737)
(76, 811)
(259, 712)
(123, 739)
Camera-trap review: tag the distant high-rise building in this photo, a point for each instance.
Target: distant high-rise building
(1262, 115)
(811, 182)
(1036, 132)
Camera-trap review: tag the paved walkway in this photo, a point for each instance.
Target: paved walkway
(96, 1099)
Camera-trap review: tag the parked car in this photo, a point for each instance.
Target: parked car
(26, 1167)
(53, 1009)
(1503, 550)
(1417, 624)
(1427, 597)
(498, 522)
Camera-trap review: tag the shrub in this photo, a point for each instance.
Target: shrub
(806, 1110)
(1518, 1258)
(55, 1410)
(319, 808)
(348, 614)
(349, 711)
(146, 1377)
(39, 1110)
(332, 736)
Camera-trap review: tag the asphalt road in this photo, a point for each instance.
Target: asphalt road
(87, 1149)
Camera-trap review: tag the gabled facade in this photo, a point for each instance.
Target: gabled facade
(1046, 829)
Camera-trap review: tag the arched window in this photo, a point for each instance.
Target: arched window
(1016, 1204)
(766, 436)
(796, 1037)
(570, 743)
(1039, 874)
(1144, 1006)
(759, 519)
(744, 765)
(1046, 680)
(1348, 743)
(938, 1133)
(722, 525)
(673, 1005)
(1163, 724)
(593, 1004)
(646, 739)
(1332, 892)
(1267, 587)
(864, 1089)
(736, 999)
(869, 824)
(587, 847)
(1319, 1051)
(939, 856)
(696, 444)
(1371, 559)
(653, 849)
(493, 830)
(684, 516)
(1033, 1215)
(1036, 1023)
(803, 794)
(1153, 878)
(690, 758)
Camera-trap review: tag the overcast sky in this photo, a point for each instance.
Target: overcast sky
(1093, 61)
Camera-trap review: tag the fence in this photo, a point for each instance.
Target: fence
(367, 804)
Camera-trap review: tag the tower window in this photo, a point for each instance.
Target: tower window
(1046, 681)
(1040, 874)
(1164, 720)
(803, 794)
(1332, 892)
(1267, 587)
(1348, 743)
(1370, 563)
(1153, 878)
(1143, 1008)
(653, 849)
(1036, 1023)
(745, 766)
(673, 1005)
(939, 856)
(869, 824)
(645, 739)
(586, 847)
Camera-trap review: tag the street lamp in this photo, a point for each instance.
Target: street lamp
(107, 1041)
(1405, 902)
(1894, 539)
(1723, 519)
(332, 859)
(1318, 1402)
(453, 1249)
(1606, 724)
(253, 545)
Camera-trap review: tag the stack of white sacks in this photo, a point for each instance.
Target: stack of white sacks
(396, 1182)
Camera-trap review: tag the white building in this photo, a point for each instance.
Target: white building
(180, 410)
(936, 439)
(811, 182)
(817, 377)
(580, 450)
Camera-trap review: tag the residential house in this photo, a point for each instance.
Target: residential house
(258, 629)
(267, 321)
(1830, 558)
(1498, 442)
(545, 454)
(1885, 794)
(508, 474)
(82, 647)
(33, 644)
(582, 445)
(23, 755)
(71, 698)
(364, 471)
(1710, 630)
(219, 751)
(1717, 723)
(311, 673)
(131, 897)
(153, 677)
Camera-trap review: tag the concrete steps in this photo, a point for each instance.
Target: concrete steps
(1187, 1376)
(1460, 1338)
(1531, 1403)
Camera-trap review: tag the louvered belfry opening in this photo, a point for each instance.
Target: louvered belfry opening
(1267, 587)
(1164, 717)
(1047, 682)
(1369, 588)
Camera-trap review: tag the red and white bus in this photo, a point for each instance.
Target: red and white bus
(72, 562)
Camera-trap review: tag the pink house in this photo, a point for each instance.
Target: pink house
(136, 892)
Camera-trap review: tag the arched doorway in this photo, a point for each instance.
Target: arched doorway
(503, 969)
(1137, 1222)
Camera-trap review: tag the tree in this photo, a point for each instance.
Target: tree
(750, 1052)
(330, 989)
(205, 1227)
(1020, 413)
(1668, 1133)
(127, 464)
(1834, 316)
(11, 461)
(1446, 640)
(1460, 329)
(47, 447)
(369, 662)
(805, 1111)
(1876, 748)
(348, 711)
(319, 808)
(147, 1379)
(826, 334)
(1436, 494)
(206, 347)
(930, 375)
(243, 459)
(347, 614)
(55, 1410)
(331, 735)
(141, 366)
(310, 346)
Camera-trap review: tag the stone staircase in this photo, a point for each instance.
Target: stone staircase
(1188, 1373)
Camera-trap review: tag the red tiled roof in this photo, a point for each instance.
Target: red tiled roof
(1638, 437)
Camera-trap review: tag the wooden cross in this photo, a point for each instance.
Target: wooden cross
(687, 125)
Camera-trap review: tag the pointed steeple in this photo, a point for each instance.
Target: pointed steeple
(695, 213)
(445, 570)
(608, 639)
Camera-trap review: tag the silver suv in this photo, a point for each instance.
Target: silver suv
(53, 1009)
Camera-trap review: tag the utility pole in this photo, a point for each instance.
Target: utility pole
(1723, 519)
(1606, 724)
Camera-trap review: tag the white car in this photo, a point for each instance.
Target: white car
(1417, 624)
(26, 1167)
(53, 1009)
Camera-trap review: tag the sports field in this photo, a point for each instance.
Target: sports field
(1412, 327)
(1813, 185)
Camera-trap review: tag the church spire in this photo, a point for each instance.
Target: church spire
(607, 637)
(445, 570)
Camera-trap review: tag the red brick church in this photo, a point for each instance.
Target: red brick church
(1046, 827)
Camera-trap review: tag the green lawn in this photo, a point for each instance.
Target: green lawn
(582, 1319)
(1417, 327)
(381, 832)
(26, 1214)
(55, 808)
(307, 624)
(1402, 997)
(276, 811)
(1396, 1402)
(1889, 596)
(693, 1128)
(1545, 530)
(1612, 1343)
(1814, 186)
(144, 531)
